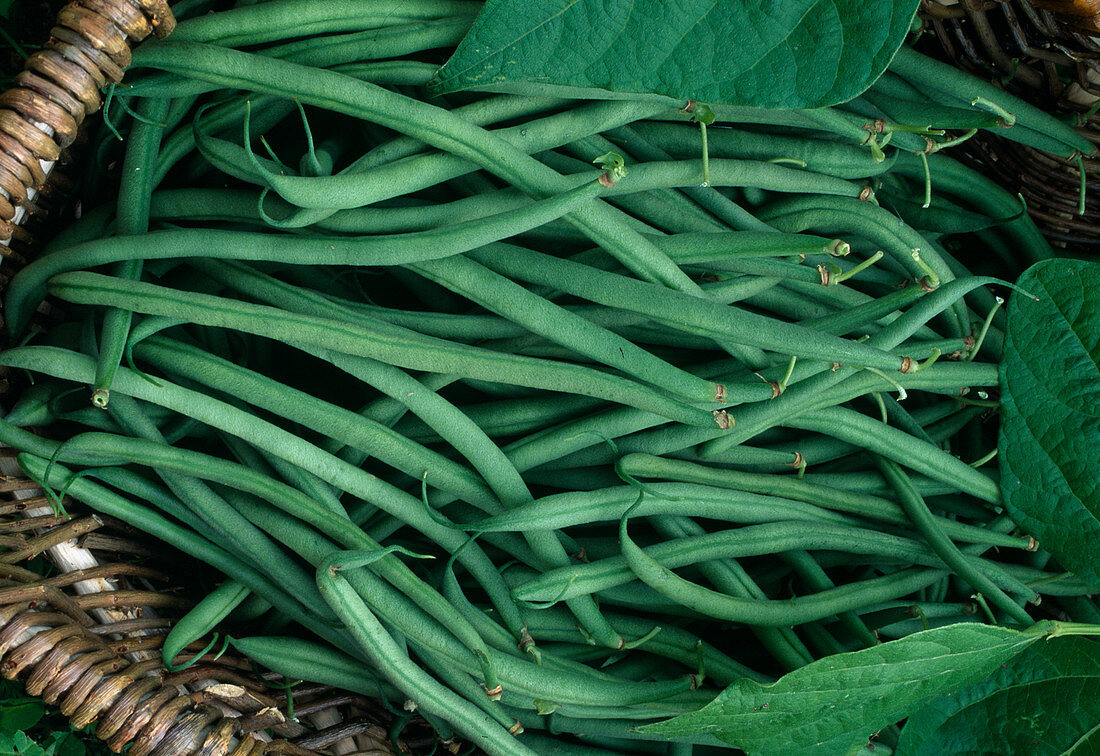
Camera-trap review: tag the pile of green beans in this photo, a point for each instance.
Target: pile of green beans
(489, 405)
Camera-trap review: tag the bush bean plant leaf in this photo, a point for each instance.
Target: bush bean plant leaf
(56, 744)
(793, 54)
(20, 714)
(835, 704)
(1050, 399)
(28, 728)
(1044, 702)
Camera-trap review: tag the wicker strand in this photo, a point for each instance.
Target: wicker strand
(59, 87)
(89, 641)
(48, 639)
(1042, 52)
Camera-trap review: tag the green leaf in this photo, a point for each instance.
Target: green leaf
(24, 746)
(1049, 443)
(790, 54)
(1046, 701)
(20, 714)
(833, 705)
(65, 744)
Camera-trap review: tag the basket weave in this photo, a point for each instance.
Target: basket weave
(88, 639)
(1043, 52)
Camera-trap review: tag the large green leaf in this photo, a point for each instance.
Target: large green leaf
(769, 53)
(833, 705)
(20, 714)
(1050, 398)
(1044, 702)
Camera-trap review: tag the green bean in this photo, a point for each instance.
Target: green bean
(343, 53)
(293, 449)
(714, 202)
(467, 328)
(417, 217)
(306, 482)
(639, 712)
(1059, 584)
(774, 613)
(213, 608)
(387, 411)
(391, 661)
(266, 112)
(841, 120)
(872, 484)
(728, 576)
(482, 113)
(878, 225)
(544, 744)
(930, 74)
(819, 155)
(691, 314)
(539, 681)
(618, 735)
(500, 295)
(112, 504)
(983, 193)
(829, 120)
(286, 528)
(487, 458)
(460, 682)
(789, 487)
(680, 213)
(576, 436)
(357, 186)
(603, 224)
(814, 390)
(509, 417)
(299, 659)
(277, 521)
(891, 84)
(750, 540)
(646, 177)
(385, 343)
(499, 638)
(279, 19)
(298, 406)
(778, 301)
(923, 519)
(396, 250)
(397, 41)
(132, 218)
(604, 505)
(811, 572)
(921, 112)
(138, 487)
(234, 531)
(895, 445)
(824, 389)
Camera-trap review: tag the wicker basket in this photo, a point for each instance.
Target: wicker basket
(88, 639)
(1043, 52)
